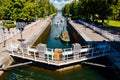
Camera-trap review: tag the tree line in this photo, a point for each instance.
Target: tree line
(25, 10)
(93, 9)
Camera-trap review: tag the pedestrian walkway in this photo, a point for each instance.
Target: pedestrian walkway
(28, 33)
(92, 35)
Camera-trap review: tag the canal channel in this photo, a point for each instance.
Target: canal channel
(76, 72)
(57, 27)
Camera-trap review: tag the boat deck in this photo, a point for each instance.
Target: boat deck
(69, 56)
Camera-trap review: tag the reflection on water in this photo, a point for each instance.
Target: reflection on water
(57, 27)
(34, 73)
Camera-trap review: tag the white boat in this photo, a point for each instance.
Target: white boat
(57, 23)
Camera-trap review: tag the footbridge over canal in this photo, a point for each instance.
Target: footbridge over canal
(58, 57)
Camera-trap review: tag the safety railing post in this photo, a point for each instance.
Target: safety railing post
(67, 57)
(52, 55)
(63, 55)
(48, 58)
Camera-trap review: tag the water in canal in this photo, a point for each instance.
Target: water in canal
(58, 24)
(36, 73)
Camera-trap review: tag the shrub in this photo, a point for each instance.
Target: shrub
(9, 24)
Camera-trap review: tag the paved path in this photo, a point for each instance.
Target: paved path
(112, 34)
(27, 34)
(92, 35)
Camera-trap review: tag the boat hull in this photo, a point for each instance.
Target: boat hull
(64, 40)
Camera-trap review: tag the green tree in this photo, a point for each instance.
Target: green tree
(88, 8)
(25, 9)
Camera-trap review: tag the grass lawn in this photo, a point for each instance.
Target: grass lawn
(111, 23)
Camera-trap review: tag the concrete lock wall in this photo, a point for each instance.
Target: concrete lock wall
(75, 36)
(41, 38)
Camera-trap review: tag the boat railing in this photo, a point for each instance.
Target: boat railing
(68, 54)
(67, 49)
(86, 46)
(49, 49)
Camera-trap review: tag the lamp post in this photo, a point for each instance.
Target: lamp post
(21, 26)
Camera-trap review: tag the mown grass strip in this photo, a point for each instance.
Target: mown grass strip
(111, 23)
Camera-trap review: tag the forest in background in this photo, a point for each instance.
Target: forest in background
(93, 9)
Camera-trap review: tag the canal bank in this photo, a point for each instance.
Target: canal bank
(87, 35)
(42, 34)
(95, 38)
(76, 36)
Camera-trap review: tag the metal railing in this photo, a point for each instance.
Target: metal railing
(6, 36)
(68, 55)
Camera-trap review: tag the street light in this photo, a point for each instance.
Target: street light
(21, 26)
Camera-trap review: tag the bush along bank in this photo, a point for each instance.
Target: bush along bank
(8, 25)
